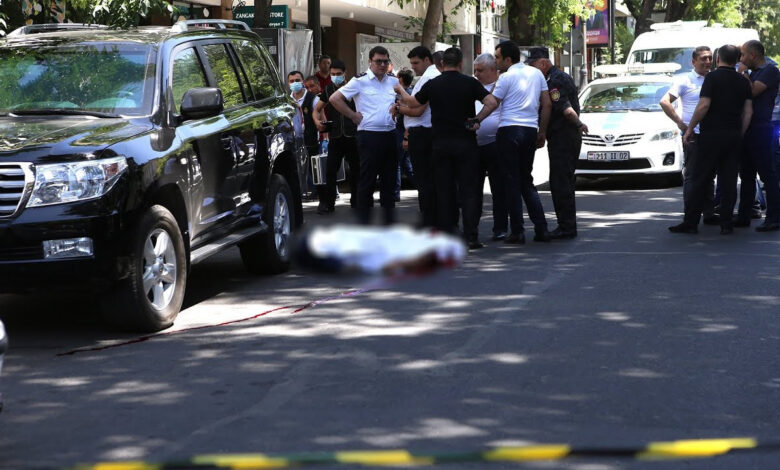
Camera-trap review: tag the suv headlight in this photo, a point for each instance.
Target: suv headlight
(665, 135)
(68, 182)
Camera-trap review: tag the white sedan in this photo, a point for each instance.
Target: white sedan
(628, 132)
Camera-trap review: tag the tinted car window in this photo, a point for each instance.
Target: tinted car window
(104, 77)
(187, 73)
(260, 76)
(224, 74)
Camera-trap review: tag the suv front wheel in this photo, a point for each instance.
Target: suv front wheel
(151, 297)
(269, 253)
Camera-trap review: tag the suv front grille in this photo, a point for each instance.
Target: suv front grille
(610, 140)
(13, 182)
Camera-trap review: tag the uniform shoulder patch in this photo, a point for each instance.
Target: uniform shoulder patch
(555, 94)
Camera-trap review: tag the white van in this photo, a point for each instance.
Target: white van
(675, 42)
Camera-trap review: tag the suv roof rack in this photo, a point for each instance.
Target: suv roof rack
(187, 25)
(49, 27)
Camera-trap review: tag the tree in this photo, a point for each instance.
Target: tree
(114, 13)
(641, 11)
(262, 13)
(543, 21)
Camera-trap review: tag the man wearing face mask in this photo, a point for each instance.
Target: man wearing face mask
(306, 102)
(342, 144)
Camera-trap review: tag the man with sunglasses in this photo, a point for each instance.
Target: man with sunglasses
(373, 95)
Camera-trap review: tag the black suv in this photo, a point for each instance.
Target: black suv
(127, 156)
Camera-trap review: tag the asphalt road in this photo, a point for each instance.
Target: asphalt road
(625, 335)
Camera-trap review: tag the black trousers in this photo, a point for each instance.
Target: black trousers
(489, 164)
(340, 148)
(457, 178)
(378, 157)
(690, 154)
(719, 151)
(563, 147)
(421, 153)
(757, 157)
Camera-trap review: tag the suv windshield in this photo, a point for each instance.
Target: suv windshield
(677, 55)
(88, 78)
(611, 97)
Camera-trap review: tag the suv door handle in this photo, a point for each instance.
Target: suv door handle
(268, 130)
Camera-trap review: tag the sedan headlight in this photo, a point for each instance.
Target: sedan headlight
(665, 135)
(68, 182)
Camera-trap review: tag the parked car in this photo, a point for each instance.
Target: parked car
(127, 156)
(628, 132)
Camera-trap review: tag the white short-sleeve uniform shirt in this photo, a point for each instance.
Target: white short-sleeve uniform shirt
(518, 89)
(686, 87)
(373, 98)
(486, 134)
(425, 119)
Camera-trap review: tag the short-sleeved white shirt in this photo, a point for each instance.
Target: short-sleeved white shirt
(425, 119)
(518, 89)
(486, 134)
(686, 87)
(373, 99)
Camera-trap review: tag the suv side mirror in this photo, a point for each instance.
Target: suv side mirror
(199, 103)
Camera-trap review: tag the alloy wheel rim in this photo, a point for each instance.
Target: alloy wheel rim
(281, 224)
(159, 269)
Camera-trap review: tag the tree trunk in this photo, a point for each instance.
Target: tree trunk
(262, 13)
(643, 22)
(432, 24)
(676, 10)
(521, 30)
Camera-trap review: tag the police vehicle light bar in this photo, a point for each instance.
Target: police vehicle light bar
(637, 68)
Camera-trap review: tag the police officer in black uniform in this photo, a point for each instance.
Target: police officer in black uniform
(564, 139)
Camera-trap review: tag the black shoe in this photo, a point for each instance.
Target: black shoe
(322, 210)
(543, 236)
(475, 245)
(756, 214)
(728, 230)
(498, 236)
(515, 239)
(711, 220)
(741, 222)
(560, 234)
(684, 228)
(768, 227)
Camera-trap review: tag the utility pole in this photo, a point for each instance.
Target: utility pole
(316, 29)
(611, 31)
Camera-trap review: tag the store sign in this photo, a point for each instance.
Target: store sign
(280, 16)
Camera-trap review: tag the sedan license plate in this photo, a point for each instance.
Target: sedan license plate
(608, 156)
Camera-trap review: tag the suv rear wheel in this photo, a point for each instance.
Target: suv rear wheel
(269, 253)
(151, 297)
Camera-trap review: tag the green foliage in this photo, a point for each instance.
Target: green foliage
(764, 16)
(543, 21)
(726, 12)
(114, 13)
(445, 35)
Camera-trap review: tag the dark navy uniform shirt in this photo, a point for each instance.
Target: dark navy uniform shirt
(563, 95)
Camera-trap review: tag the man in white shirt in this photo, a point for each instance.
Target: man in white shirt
(686, 87)
(521, 90)
(374, 96)
(420, 138)
(486, 72)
